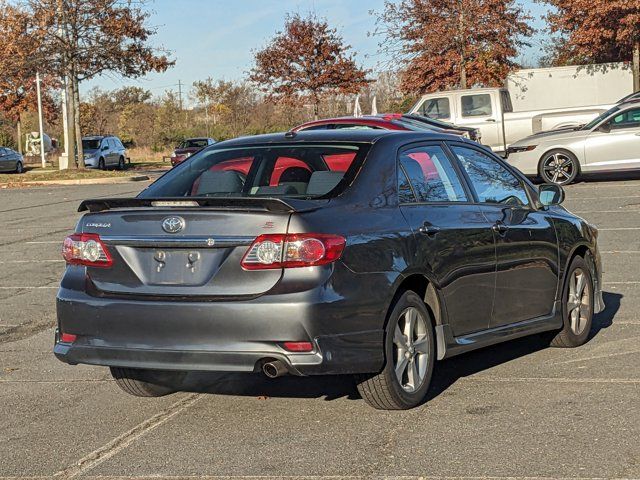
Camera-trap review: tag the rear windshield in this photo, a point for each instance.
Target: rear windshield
(194, 143)
(263, 171)
(90, 144)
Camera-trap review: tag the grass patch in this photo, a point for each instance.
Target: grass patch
(39, 175)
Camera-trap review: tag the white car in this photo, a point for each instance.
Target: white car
(609, 143)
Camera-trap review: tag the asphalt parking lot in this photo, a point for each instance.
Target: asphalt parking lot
(516, 410)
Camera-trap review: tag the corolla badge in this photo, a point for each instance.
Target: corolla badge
(173, 224)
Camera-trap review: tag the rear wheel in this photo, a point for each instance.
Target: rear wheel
(410, 356)
(577, 305)
(19, 167)
(559, 166)
(147, 383)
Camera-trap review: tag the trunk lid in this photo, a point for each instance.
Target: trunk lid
(193, 252)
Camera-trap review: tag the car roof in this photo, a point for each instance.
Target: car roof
(355, 136)
(385, 120)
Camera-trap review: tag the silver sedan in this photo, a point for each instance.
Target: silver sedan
(609, 143)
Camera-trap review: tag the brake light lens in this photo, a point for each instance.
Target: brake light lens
(293, 250)
(298, 346)
(68, 337)
(86, 249)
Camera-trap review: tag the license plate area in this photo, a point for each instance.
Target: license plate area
(179, 267)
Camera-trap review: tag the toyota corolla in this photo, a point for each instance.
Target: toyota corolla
(370, 253)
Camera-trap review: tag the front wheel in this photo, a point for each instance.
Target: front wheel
(19, 167)
(410, 356)
(101, 164)
(559, 167)
(147, 383)
(577, 305)
(121, 163)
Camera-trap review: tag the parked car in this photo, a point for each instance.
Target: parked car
(374, 253)
(104, 151)
(609, 143)
(10, 160)
(490, 110)
(390, 121)
(630, 97)
(188, 147)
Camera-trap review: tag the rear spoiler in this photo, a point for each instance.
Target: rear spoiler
(276, 205)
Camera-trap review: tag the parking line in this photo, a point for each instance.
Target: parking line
(620, 251)
(617, 229)
(121, 442)
(571, 199)
(632, 381)
(44, 287)
(32, 261)
(584, 212)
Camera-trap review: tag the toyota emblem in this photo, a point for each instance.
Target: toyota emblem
(173, 224)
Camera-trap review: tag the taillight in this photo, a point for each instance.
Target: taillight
(293, 250)
(86, 249)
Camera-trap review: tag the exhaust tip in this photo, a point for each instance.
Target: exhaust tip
(274, 369)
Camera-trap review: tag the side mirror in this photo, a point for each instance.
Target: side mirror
(550, 194)
(605, 128)
(106, 147)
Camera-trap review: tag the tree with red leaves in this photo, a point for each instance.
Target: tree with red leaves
(306, 62)
(596, 31)
(18, 67)
(444, 44)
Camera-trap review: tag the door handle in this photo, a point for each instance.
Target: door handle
(492, 120)
(428, 229)
(499, 227)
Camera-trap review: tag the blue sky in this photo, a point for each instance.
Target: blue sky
(215, 37)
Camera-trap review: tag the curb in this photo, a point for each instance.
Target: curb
(81, 181)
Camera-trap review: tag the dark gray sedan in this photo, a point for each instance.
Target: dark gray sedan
(11, 161)
(365, 252)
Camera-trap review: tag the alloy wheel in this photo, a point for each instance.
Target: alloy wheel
(558, 168)
(579, 301)
(411, 349)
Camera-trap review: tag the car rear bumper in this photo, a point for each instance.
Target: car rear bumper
(233, 335)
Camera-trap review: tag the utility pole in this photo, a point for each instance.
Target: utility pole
(44, 163)
(180, 93)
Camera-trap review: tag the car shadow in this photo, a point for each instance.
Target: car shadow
(342, 386)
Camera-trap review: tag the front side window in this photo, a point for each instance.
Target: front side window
(425, 174)
(437, 108)
(492, 182)
(297, 170)
(478, 105)
(628, 119)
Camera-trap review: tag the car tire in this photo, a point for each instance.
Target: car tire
(101, 164)
(147, 383)
(19, 167)
(559, 166)
(388, 390)
(121, 163)
(577, 305)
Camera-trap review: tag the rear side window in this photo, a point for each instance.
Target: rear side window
(426, 175)
(492, 182)
(476, 105)
(298, 170)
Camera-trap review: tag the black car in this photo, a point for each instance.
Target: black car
(364, 252)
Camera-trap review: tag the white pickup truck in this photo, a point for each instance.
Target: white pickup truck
(490, 111)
